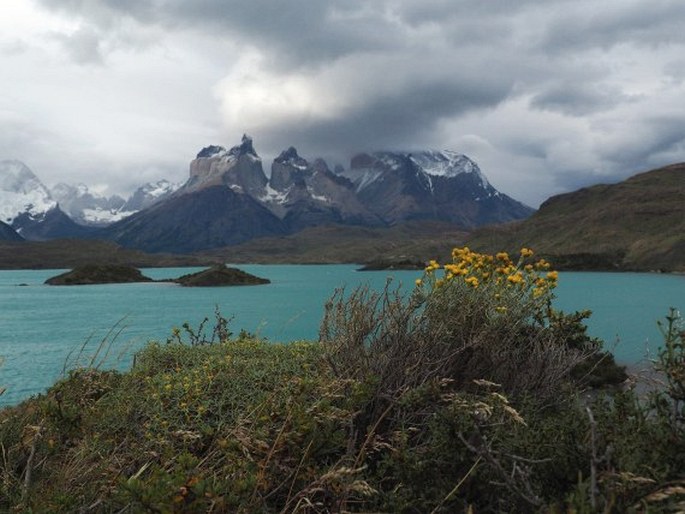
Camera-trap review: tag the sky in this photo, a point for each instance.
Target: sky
(547, 96)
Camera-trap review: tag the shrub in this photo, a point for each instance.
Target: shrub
(479, 317)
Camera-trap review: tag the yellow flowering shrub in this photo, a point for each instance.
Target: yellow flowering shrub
(498, 278)
(479, 316)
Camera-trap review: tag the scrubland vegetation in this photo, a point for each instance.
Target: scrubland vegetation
(471, 394)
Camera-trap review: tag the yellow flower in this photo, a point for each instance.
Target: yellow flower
(502, 256)
(515, 279)
(553, 275)
(542, 264)
(526, 252)
(472, 281)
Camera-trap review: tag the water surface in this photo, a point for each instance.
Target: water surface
(41, 326)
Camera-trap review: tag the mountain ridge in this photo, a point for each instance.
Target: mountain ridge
(637, 224)
(228, 199)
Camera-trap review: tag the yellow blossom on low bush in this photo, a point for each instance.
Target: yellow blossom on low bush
(497, 277)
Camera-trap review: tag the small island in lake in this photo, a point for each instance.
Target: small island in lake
(98, 274)
(216, 276)
(220, 275)
(406, 264)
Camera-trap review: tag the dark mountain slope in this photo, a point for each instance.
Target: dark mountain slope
(7, 233)
(209, 218)
(53, 224)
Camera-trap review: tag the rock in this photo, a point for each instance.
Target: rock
(98, 274)
(220, 275)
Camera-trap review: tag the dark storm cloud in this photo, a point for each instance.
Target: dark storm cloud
(297, 31)
(398, 120)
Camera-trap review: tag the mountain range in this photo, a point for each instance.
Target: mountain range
(637, 224)
(228, 199)
(40, 213)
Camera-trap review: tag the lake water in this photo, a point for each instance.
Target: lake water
(41, 326)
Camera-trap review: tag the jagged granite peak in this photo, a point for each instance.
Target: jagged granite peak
(306, 195)
(288, 171)
(22, 192)
(239, 168)
(291, 157)
(244, 148)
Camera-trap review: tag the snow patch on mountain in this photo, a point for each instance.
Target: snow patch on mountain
(446, 164)
(273, 196)
(22, 192)
(103, 217)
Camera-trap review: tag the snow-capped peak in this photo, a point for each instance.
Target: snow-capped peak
(21, 191)
(159, 188)
(446, 163)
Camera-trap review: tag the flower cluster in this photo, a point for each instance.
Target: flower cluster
(497, 274)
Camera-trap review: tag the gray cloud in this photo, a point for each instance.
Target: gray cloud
(590, 25)
(580, 99)
(83, 46)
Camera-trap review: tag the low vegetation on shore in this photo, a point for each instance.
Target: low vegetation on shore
(469, 395)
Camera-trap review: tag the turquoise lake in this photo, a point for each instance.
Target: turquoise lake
(42, 327)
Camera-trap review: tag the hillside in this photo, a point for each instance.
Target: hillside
(637, 224)
(69, 253)
(344, 244)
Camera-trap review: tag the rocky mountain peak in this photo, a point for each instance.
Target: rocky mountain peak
(244, 148)
(239, 168)
(290, 157)
(289, 170)
(210, 151)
